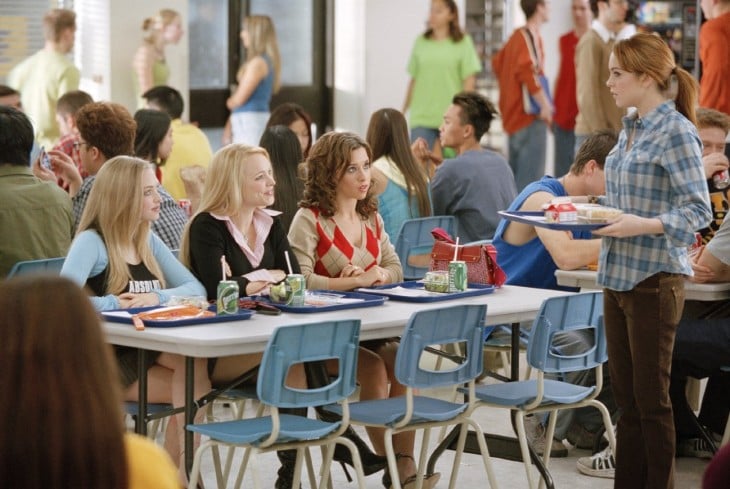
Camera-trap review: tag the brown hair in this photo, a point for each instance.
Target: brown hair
(648, 54)
(107, 126)
(455, 32)
(596, 147)
(529, 7)
(707, 118)
(62, 422)
(324, 168)
(388, 136)
(153, 26)
(56, 21)
(70, 102)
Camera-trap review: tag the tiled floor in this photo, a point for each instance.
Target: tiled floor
(471, 473)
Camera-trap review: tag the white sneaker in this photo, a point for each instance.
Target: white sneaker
(535, 433)
(602, 464)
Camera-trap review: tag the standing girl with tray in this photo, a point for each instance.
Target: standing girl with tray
(339, 240)
(125, 265)
(655, 176)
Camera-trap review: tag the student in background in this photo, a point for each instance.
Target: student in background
(153, 138)
(399, 181)
(566, 107)
(36, 218)
(149, 63)
(295, 118)
(64, 426)
(285, 152)
(66, 108)
(48, 74)
(10, 97)
(713, 127)
(715, 55)
(443, 62)
(184, 170)
(258, 79)
(516, 71)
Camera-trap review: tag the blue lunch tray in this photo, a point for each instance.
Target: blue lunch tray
(329, 301)
(115, 317)
(537, 218)
(387, 290)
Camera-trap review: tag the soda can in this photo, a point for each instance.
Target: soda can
(296, 283)
(186, 206)
(721, 179)
(457, 276)
(227, 302)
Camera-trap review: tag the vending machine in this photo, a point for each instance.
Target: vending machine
(678, 22)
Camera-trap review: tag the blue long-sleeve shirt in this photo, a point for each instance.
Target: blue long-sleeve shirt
(662, 177)
(88, 258)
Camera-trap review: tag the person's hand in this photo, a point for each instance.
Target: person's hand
(351, 270)
(713, 163)
(278, 275)
(702, 273)
(546, 114)
(65, 169)
(420, 149)
(42, 173)
(128, 300)
(624, 226)
(373, 277)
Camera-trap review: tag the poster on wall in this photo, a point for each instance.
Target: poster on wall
(13, 42)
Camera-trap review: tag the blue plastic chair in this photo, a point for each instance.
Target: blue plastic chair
(461, 324)
(50, 266)
(414, 238)
(158, 414)
(557, 314)
(289, 346)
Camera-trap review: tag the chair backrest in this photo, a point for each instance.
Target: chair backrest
(463, 323)
(291, 345)
(567, 313)
(50, 266)
(414, 238)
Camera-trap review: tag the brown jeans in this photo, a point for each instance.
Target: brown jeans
(640, 327)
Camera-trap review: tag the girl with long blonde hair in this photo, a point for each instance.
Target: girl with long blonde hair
(117, 257)
(258, 79)
(149, 63)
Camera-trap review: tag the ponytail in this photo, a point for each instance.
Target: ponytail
(686, 99)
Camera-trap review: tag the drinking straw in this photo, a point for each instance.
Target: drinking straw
(223, 267)
(288, 262)
(456, 249)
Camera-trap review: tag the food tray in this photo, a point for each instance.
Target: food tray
(125, 316)
(414, 291)
(330, 300)
(537, 218)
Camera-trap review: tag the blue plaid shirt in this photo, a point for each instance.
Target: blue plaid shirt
(661, 176)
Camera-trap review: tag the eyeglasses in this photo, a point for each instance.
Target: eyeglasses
(78, 144)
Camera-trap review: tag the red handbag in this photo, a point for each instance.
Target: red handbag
(481, 259)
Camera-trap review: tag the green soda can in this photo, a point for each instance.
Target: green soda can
(457, 276)
(295, 282)
(227, 302)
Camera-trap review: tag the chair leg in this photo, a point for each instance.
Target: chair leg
(310, 467)
(195, 471)
(608, 424)
(527, 461)
(423, 457)
(552, 419)
(392, 463)
(459, 451)
(355, 454)
(485, 452)
(242, 468)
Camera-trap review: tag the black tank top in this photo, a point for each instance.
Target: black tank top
(142, 281)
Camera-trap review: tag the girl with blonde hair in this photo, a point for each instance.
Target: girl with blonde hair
(655, 176)
(125, 265)
(149, 63)
(258, 78)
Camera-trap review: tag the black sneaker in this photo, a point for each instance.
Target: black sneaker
(694, 447)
